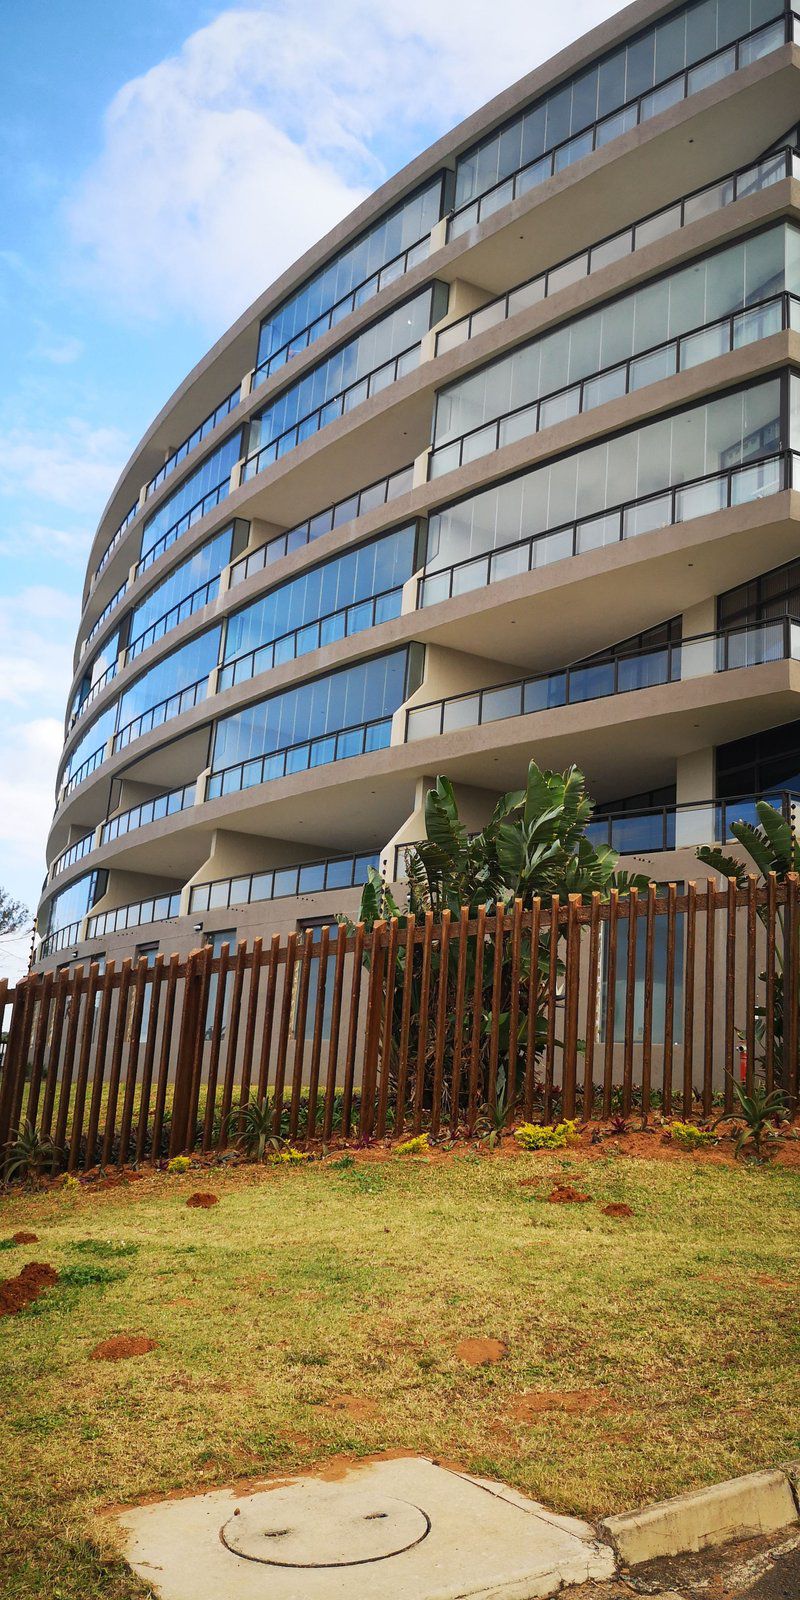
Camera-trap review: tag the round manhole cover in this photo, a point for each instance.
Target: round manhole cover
(324, 1525)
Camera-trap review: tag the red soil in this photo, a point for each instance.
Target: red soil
(564, 1194)
(202, 1201)
(17, 1293)
(617, 1209)
(121, 1347)
(24, 1238)
(355, 1405)
(579, 1402)
(480, 1352)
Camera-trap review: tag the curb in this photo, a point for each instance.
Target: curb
(761, 1502)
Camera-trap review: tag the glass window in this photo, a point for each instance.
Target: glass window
(70, 905)
(199, 570)
(212, 474)
(648, 59)
(170, 676)
(330, 294)
(705, 439)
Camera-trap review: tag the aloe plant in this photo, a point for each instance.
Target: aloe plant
(760, 1111)
(28, 1152)
(256, 1135)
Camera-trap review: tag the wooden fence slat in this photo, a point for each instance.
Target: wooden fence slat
(497, 999)
(730, 995)
(513, 1014)
(99, 1064)
(32, 991)
(390, 990)
(83, 1069)
(630, 1001)
(333, 1043)
(283, 1035)
(217, 1029)
(791, 994)
(233, 1044)
(134, 1042)
(164, 1059)
(248, 1047)
(592, 987)
(669, 1000)
(688, 998)
(202, 1033)
(405, 1024)
(441, 1025)
(316, 1041)
(116, 1061)
(13, 1067)
(352, 1032)
(301, 1011)
(569, 1064)
(647, 1017)
(458, 1019)
(750, 984)
(552, 1000)
(149, 1057)
(372, 1029)
(708, 998)
(424, 1009)
(269, 1020)
(68, 1065)
(611, 1002)
(769, 1005)
(532, 1013)
(477, 1020)
(40, 1044)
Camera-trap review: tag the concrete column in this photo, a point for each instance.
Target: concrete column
(420, 476)
(698, 660)
(439, 235)
(695, 782)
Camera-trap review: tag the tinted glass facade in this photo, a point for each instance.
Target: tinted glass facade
(679, 40)
(71, 904)
(706, 439)
(351, 278)
(195, 573)
(702, 292)
(212, 473)
(767, 760)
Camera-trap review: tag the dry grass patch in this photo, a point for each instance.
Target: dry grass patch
(318, 1311)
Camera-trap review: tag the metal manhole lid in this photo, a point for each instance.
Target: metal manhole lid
(324, 1525)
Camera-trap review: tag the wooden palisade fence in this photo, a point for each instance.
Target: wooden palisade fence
(640, 1000)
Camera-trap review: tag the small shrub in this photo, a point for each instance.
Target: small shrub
(689, 1137)
(179, 1164)
(413, 1147)
(538, 1136)
(760, 1112)
(82, 1276)
(70, 1183)
(290, 1156)
(105, 1249)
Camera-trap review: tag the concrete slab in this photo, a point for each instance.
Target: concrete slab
(401, 1529)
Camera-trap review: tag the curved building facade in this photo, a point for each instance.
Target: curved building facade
(505, 466)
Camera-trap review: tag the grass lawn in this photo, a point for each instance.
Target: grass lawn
(317, 1310)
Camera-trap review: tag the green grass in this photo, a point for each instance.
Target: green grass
(331, 1279)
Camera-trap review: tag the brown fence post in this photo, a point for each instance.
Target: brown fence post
(187, 1049)
(791, 991)
(13, 1065)
(369, 1066)
(569, 1064)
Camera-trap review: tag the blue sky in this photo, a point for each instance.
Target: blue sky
(162, 161)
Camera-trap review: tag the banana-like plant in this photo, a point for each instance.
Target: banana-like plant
(773, 848)
(534, 845)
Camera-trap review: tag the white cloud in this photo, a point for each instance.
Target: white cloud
(37, 631)
(74, 466)
(224, 162)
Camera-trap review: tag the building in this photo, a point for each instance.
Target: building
(505, 465)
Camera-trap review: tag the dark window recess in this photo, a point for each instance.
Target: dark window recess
(773, 594)
(760, 763)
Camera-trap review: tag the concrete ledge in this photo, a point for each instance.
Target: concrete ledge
(762, 1502)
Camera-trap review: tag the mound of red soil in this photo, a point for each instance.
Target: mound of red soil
(355, 1405)
(121, 1347)
(202, 1201)
(577, 1402)
(24, 1238)
(480, 1352)
(564, 1194)
(16, 1293)
(617, 1209)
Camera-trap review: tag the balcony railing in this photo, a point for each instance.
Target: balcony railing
(172, 618)
(359, 740)
(714, 67)
(155, 716)
(603, 676)
(698, 497)
(361, 614)
(82, 772)
(337, 872)
(200, 433)
(364, 291)
(356, 505)
(670, 219)
(58, 940)
(162, 805)
(158, 909)
(89, 699)
(213, 498)
(382, 377)
(657, 828)
(704, 343)
(67, 858)
(110, 548)
(104, 614)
